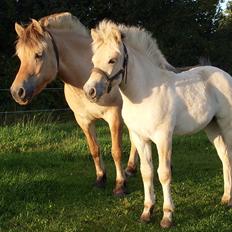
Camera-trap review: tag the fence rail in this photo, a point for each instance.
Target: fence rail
(36, 110)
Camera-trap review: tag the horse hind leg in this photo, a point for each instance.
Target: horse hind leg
(222, 142)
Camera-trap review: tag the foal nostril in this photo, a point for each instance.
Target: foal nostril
(92, 92)
(21, 93)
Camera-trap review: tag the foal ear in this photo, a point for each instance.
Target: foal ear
(117, 36)
(37, 26)
(94, 34)
(19, 29)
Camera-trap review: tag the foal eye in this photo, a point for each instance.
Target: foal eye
(112, 61)
(38, 56)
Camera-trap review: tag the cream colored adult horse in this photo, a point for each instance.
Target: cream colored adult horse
(60, 44)
(158, 103)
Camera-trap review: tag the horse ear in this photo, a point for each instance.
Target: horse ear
(94, 34)
(19, 29)
(37, 26)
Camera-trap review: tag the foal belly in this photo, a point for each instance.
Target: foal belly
(195, 110)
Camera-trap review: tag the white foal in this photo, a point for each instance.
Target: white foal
(158, 103)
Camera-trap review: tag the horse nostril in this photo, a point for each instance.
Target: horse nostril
(21, 93)
(92, 92)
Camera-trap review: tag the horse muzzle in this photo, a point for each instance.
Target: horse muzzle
(22, 95)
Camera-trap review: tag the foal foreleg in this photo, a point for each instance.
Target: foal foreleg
(147, 172)
(164, 147)
(116, 135)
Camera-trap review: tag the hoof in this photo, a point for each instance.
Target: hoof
(120, 191)
(145, 218)
(100, 182)
(165, 223)
(226, 201)
(129, 171)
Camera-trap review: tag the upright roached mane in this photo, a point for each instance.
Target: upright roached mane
(137, 37)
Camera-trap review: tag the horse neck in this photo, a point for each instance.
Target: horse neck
(74, 57)
(143, 77)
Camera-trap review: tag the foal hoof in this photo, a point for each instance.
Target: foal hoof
(145, 218)
(226, 201)
(129, 171)
(165, 223)
(100, 182)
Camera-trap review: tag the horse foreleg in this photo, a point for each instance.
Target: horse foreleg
(146, 168)
(90, 134)
(164, 147)
(115, 125)
(133, 159)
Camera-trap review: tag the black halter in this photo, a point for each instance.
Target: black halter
(122, 71)
(55, 49)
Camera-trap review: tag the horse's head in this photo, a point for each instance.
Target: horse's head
(38, 54)
(108, 59)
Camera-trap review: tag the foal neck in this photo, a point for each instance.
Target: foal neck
(143, 77)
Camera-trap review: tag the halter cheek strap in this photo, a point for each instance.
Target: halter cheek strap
(55, 49)
(122, 71)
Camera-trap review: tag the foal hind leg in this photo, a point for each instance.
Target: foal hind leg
(90, 134)
(115, 124)
(225, 154)
(132, 161)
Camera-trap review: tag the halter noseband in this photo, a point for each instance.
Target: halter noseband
(122, 71)
(55, 48)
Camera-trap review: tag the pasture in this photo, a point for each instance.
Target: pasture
(46, 177)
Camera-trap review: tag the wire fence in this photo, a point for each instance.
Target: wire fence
(13, 115)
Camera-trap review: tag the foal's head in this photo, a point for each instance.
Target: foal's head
(108, 60)
(37, 52)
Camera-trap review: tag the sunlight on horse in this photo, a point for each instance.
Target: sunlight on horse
(158, 103)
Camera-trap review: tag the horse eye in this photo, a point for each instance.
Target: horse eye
(112, 61)
(38, 56)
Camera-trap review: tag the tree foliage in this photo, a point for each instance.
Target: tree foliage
(185, 29)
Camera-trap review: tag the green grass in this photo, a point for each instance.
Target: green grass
(46, 176)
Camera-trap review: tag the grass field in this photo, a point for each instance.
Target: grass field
(46, 176)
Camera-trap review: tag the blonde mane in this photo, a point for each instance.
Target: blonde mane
(33, 37)
(138, 38)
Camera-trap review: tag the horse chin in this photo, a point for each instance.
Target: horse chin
(24, 102)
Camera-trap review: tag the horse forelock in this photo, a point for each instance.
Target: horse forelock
(30, 41)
